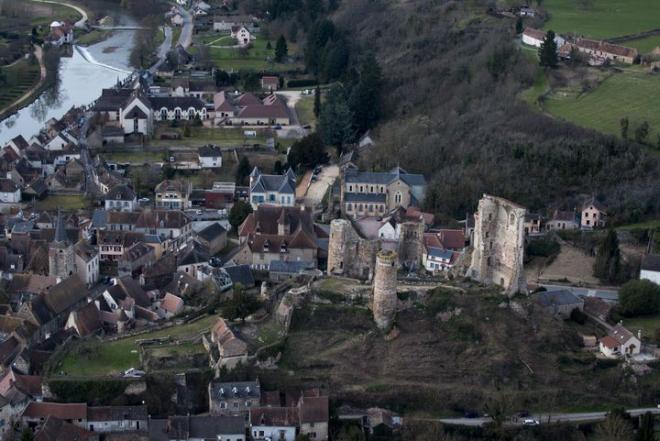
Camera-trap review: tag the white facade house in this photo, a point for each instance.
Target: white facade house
(650, 268)
(388, 230)
(58, 142)
(178, 108)
(88, 260)
(280, 433)
(535, 37)
(10, 193)
(437, 259)
(620, 343)
(593, 215)
(279, 190)
(121, 198)
(210, 156)
(241, 35)
(137, 117)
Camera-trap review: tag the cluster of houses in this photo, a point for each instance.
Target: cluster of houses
(597, 52)
(591, 215)
(61, 33)
(137, 108)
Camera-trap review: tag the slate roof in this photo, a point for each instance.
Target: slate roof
(651, 262)
(162, 219)
(621, 334)
(440, 253)
(558, 298)
(384, 178)
(7, 186)
(65, 294)
(294, 267)
(54, 429)
(237, 389)
(117, 413)
(172, 102)
(365, 197)
(212, 232)
(272, 183)
(210, 151)
(240, 274)
(121, 193)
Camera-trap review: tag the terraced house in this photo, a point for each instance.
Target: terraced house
(376, 193)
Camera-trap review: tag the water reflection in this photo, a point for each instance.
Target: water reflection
(80, 82)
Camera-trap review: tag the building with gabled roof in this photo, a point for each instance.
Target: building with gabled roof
(226, 349)
(279, 190)
(594, 214)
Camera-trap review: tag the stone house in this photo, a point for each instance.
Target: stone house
(85, 321)
(113, 244)
(375, 193)
(594, 214)
(173, 194)
(10, 193)
(562, 220)
(277, 233)
(233, 398)
(105, 419)
(248, 109)
(620, 342)
(560, 303)
(230, 349)
(87, 262)
(122, 198)
(274, 423)
(532, 224)
(278, 190)
(212, 239)
(603, 50)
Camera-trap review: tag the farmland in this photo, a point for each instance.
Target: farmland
(602, 18)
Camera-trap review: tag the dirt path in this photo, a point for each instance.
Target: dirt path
(38, 52)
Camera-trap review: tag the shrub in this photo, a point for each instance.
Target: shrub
(578, 316)
(544, 247)
(301, 83)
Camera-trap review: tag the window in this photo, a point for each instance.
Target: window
(350, 188)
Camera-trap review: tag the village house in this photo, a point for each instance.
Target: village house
(212, 239)
(248, 109)
(241, 34)
(277, 233)
(233, 398)
(270, 423)
(376, 193)
(210, 156)
(87, 263)
(220, 196)
(135, 258)
(60, 33)
(560, 303)
(85, 321)
(277, 190)
(532, 224)
(225, 349)
(535, 37)
(10, 193)
(270, 83)
(224, 23)
(173, 194)
(179, 108)
(169, 306)
(106, 419)
(562, 220)
(122, 198)
(650, 268)
(594, 214)
(113, 244)
(620, 342)
(602, 51)
(198, 428)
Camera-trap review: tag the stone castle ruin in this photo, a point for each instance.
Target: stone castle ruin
(351, 253)
(384, 299)
(499, 244)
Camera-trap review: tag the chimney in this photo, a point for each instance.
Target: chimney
(639, 334)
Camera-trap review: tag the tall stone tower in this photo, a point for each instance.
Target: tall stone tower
(499, 244)
(61, 259)
(411, 243)
(338, 244)
(385, 299)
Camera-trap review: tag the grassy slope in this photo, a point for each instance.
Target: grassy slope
(632, 94)
(644, 45)
(65, 202)
(21, 77)
(256, 58)
(603, 18)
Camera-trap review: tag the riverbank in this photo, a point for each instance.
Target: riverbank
(28, 97)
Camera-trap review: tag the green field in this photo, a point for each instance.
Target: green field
(632, 94)
(93, 37)
(602, 18)
(644, 45)
(20, 78)
(257, 57)
(305, 111)
(647, 324)
(140, 157)
(199, 136)
(90, 359)
(65, 202)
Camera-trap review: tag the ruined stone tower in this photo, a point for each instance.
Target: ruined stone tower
(499, 244)
(349, 254)
(384, 297)
(61, 258)
(411, 243)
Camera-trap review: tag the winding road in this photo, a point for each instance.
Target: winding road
(80, 23)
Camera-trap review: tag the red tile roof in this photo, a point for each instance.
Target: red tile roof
(63, 411)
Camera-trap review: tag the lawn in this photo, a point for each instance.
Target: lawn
(305, 111)
(140, 157)
(65, 202)
(90, 359)
(647, 324)
(47, 12)
(649, 225)
(602, 18)
(199, 136)
(256, 58)
(632, 94)
(93, 37)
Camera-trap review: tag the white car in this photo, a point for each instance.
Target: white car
(530, 422)
(133, 373)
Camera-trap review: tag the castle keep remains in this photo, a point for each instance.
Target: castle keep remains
(384, 296)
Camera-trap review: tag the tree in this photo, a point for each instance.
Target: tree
(519, 25)
(241, 304)
(269, 46)
(239, 211)
(350, 433)
(646, 430)
(548, 51)
(281, 49)
(607, 266)
(278, 168)
(499, 408)
(336, 119)
(624, 123)
(317, 101)
(638, 297)
(366, 97)
(27, 435)
(307, 152)
(243, 170)
(222, 78)
(642, 132)
(614, 428)
(168, 171)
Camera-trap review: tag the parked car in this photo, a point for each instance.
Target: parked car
(133, 373)
(530, 422)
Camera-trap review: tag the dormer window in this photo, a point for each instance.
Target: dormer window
(266, 246)
(283, 247)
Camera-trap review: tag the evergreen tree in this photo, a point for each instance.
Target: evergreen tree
(307, 152)
(281, 49)
(519, 25)
(239, 211)
(317, 101)
(646, 430)
(268, 45)
(607, 266)
(642, 132)
(243, 171)
(548, 51)
(336, 119)
(365, 102)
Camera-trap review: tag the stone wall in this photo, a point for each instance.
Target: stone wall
(411, 244)
(348, 254)
(499, 244)
(384, 297)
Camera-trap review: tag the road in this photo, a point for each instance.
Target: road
(546, 418)
(293, 130)
(185, 39)
(316, 190)
(608, 295)
(163, 49)
(80, 23)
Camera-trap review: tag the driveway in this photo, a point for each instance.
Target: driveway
(317, 190)
(163, 49)
(185, 39)
(294, 130)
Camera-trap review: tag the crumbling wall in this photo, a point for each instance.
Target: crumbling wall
(348, 254)
(411, 244)
(499, 244)
(384, 296)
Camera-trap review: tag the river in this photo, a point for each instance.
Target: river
(81, 78)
